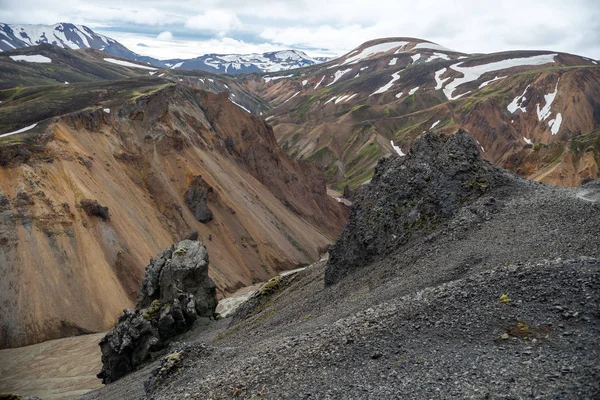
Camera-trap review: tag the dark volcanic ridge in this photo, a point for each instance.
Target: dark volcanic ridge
(494, 294)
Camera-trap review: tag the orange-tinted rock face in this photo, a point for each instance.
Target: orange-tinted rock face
(67, 271)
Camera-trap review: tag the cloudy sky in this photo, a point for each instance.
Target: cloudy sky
(189, 28)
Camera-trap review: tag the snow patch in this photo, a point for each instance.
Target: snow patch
(473, 73)
(274, 78)
(496, 78)
(399, 95)
(545, 112)
(178, 65)
(340, 99)
(240, 106)
(36, 58)
(398, 149)
(106, 110)
(127, 64)
(351, 97)
(161, 75)
(304, 82)
(415, 57)
(528, 141)
(66, 83)
(387, 87)
(294, 95)
(317, 85)
(152, 72)
(393, 61)
(339, 74)
(8, 43)
(438, 81)
(435, 124)
(330, 100)
(555, 124)
(516, 103)
(435, 56)
(413, 90)
(27, 128)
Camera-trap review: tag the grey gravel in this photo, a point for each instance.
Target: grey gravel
(499, 299)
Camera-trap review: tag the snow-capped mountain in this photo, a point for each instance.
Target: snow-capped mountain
(67, 36)
(71, 36)
(244, 63)
(63, 35)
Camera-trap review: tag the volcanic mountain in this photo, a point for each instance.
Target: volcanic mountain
(534, 112)
(71, 36)
(99, 174)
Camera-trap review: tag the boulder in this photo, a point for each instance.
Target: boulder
(176, 291)
(196, 198)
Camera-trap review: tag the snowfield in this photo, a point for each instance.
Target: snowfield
(128, 64)
(473, 73)
(36, 58)
(372, 50)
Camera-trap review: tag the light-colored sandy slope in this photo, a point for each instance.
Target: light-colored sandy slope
(65, 272)
(53, 370)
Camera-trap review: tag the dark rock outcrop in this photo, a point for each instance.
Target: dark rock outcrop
(196, 198)
(175, 292)
(94, 209)
(410, 196)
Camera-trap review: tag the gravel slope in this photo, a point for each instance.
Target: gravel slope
(500, 298)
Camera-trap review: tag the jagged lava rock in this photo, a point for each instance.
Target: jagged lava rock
(176, 291)
(409, 196)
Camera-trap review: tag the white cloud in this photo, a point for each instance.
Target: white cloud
(219, 21)
(166, 35)
(336, 26)
(152, 46)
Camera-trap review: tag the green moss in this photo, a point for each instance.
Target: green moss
(271, 286)
(409, 101)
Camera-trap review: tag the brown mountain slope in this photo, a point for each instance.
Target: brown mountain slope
(346, 113)
(68, 268)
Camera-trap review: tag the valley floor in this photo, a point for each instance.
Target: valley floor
(52, 370)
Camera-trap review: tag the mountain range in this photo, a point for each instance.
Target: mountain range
(71, 36)
(106, 159)
(534, 112)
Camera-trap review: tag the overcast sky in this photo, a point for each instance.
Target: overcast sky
(168, 29)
